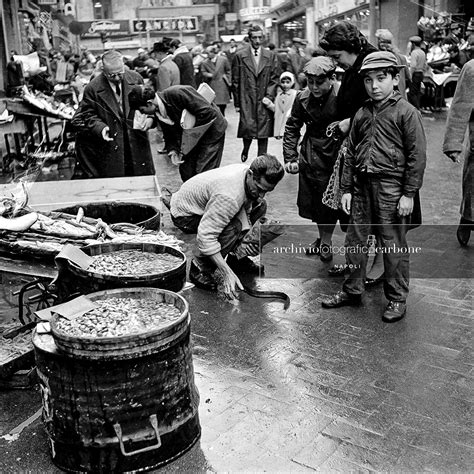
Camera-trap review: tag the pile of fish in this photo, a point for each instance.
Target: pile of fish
(133, 263)
(115, 317)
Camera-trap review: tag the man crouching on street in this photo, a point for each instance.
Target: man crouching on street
(221, 205)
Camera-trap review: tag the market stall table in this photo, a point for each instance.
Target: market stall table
(436, 84)
(52, 195)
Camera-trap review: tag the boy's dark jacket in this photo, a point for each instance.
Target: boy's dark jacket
(389, 141)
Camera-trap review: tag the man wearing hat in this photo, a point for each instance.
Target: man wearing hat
(315, 107)
(418, 67)
(296, 59)
(453, 42)
(383, 171)
(168, 72)
(385, 43)
(107, 145)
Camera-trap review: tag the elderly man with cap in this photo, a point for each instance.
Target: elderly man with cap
(107, 145)
(385, 43)
(315, 107)
(418, 66)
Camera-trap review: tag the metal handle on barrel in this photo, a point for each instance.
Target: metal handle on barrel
(154, 425)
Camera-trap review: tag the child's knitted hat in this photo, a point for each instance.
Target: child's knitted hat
(289, 75)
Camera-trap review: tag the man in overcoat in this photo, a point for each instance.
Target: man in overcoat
(255, 75)
(460, 120)
(107, 146)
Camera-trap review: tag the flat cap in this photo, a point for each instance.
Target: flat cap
(320, 66)
(299, 40)
(415, 39)
(384, 34)
(379, 60)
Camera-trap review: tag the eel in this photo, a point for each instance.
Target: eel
(268, 294)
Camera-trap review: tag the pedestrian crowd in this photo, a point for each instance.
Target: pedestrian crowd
(357, 144)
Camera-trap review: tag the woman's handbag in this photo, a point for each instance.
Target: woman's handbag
(332, 195)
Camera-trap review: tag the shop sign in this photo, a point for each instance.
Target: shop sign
(112, 27)
(253, 13)
(170, 25)
(328, 8)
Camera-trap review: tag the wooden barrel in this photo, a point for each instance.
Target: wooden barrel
(131, 411)
(114, 212)
(73, 280)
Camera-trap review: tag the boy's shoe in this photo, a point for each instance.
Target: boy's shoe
(337, 270)
(370, 282)
(201, 279)
(341, 298)
(394, 311)
(243, 157)
(325, 253)
(313, 249)
(244, 265)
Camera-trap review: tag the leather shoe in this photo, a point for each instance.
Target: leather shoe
(243, 158)
(325, 253)
(201, 279)
(341, 298)
(244, 265)
(313, 249)
(394, 311)
(337, 270)
(369, 282)
(464, 231)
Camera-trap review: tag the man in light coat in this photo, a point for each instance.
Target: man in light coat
(255, 75)
(460, 120)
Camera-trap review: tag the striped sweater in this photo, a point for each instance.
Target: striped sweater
(218, 196)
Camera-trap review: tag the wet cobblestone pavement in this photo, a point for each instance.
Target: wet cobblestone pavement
(311, 389)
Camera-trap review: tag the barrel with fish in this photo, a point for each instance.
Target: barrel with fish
(117, 382)
(122, 265)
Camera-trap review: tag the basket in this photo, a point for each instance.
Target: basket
(127, 347)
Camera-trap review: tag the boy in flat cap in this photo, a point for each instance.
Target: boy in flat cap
(383, 172)
(315, 107)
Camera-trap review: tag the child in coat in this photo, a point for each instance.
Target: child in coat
(283, 103)
(383, 170)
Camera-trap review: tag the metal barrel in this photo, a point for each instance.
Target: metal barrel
(114, 212)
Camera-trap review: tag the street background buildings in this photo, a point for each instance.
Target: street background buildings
(27, 25)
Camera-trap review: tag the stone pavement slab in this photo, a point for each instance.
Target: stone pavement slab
(309, 389)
